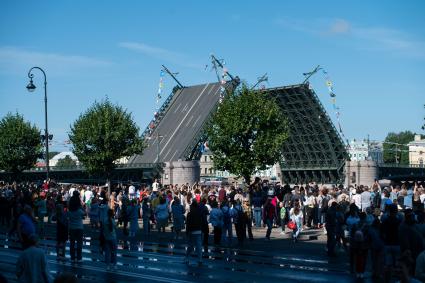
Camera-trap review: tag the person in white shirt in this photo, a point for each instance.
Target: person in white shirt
(408, 199)
(356, 199)
(155, 185)
(131, 191)
(365, 198)
(88, 194)
(71, 191)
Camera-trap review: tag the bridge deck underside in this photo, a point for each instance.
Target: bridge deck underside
(314, 150)
(179, 129)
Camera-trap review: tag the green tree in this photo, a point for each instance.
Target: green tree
(20, 144)
(103, 134)
(395, 147)
(66, 162)
(247, 133)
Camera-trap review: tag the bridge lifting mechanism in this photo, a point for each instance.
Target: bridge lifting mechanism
(263, 78)
(173, 75)
(219, 63)
(309, 74)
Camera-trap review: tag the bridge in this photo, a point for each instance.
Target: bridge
(132, 172)
(314, 150)
(401, 172)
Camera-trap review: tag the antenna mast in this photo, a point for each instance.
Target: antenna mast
(172, 75)
(309, 74)
(261, 79)
(218, 63)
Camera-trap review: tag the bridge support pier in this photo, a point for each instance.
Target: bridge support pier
(360, 172)
(181, 172)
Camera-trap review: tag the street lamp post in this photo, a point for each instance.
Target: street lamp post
(31, 87)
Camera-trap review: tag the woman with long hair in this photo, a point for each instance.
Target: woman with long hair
(297, 217)
(178, 216)
(75, 218)
(161, 213)
(61, 230)
(194, 232)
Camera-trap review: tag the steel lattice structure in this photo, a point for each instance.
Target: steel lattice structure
(314, 150)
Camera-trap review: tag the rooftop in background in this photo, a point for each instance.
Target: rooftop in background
(418, 141)
(54, 160)
(63, 154)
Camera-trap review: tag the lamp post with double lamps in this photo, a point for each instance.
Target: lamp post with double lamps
(31, 87)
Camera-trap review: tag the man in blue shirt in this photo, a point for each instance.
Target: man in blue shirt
(26, 226)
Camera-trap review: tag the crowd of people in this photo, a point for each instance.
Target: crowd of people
(383, 225)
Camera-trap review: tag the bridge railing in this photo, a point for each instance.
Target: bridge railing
(397, 165)
(161, 113)
(82, 168)
(310, 164)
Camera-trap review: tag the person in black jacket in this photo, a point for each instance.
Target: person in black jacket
(410, 238)
(204, 224)
(193, 231)
(389, 232)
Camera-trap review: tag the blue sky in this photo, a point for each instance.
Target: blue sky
(374, 52)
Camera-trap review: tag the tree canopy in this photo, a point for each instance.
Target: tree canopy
(247, 132)
(395, 148)
(20, 144)
(66, 162)
(103, 134)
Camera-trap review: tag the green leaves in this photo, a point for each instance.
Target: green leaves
(103, 134)
(66, 162)
(247, 132)
(20, 144)
(395, 148)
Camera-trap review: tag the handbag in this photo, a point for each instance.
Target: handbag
(291, 225)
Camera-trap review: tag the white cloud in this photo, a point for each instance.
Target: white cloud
(364, 37)
(161, 53)
(340, 26)
(390, 40)
(15, 60)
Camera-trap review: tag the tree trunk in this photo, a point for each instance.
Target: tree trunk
(108, 181)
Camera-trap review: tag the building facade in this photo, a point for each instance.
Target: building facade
(207, 169)
(365, 150)
(207, 164)
(417, 151)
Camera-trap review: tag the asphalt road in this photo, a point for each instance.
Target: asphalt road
(159, 258)
(184, 117)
